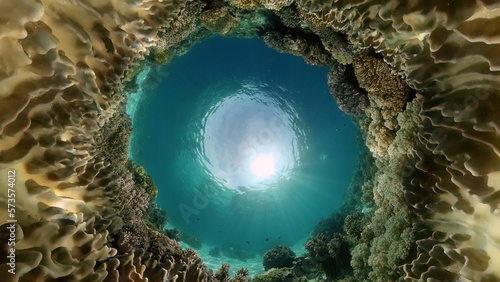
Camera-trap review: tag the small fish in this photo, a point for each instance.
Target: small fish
(267, 239)
(279, 238)
(198, 218)
(248, 242)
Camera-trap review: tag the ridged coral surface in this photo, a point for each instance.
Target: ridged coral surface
(62, 64)
(61, 67)
(448, 51)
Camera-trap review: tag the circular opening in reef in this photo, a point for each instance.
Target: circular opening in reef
(248, 139)
(247, 147)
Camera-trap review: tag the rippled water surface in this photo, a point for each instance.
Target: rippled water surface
(246, 145)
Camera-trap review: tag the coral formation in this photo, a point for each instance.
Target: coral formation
(331, 255)
(219, 20)
(349, 96)
(298, 44)
(277, 257)
(142, 180)
(431, 202)
(157, 216)
(276, 275)
(222, 275)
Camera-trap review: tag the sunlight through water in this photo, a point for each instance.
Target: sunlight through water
(248, 139)
(263, 166)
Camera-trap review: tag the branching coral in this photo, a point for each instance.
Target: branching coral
(241, 275)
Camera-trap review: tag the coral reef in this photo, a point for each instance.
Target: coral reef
(142, 180)
(219, 20)
(173, 234)
(277, 275)
(222, 275)
(157, 216)
(298, 43)
(349, 96)
(429, 205)
(241, 275)
(332, 256)
(278, 257)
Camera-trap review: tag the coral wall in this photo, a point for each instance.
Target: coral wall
(433, 197)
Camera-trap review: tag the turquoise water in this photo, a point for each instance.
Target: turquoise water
(247, 147)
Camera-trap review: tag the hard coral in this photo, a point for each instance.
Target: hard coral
(386, 91)
(241, 276)
(298, 43)
(222, 275)
(277, 275)
(277, 257)
(349, 96)
(142, 180)
(246, 4)
(219, 20)
(157, 216)
(275, 4)
(333, 256)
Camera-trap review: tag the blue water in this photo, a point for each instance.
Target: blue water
(202, 126)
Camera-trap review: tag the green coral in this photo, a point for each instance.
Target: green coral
(143, 180)
(219, 20)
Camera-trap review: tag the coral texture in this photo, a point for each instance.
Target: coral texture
(277, 257)
(431, 203)
(62, 64)
(448, 53)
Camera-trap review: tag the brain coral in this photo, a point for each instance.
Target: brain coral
(62, 66)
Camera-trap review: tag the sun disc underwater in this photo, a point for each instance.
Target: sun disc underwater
(263, 166)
